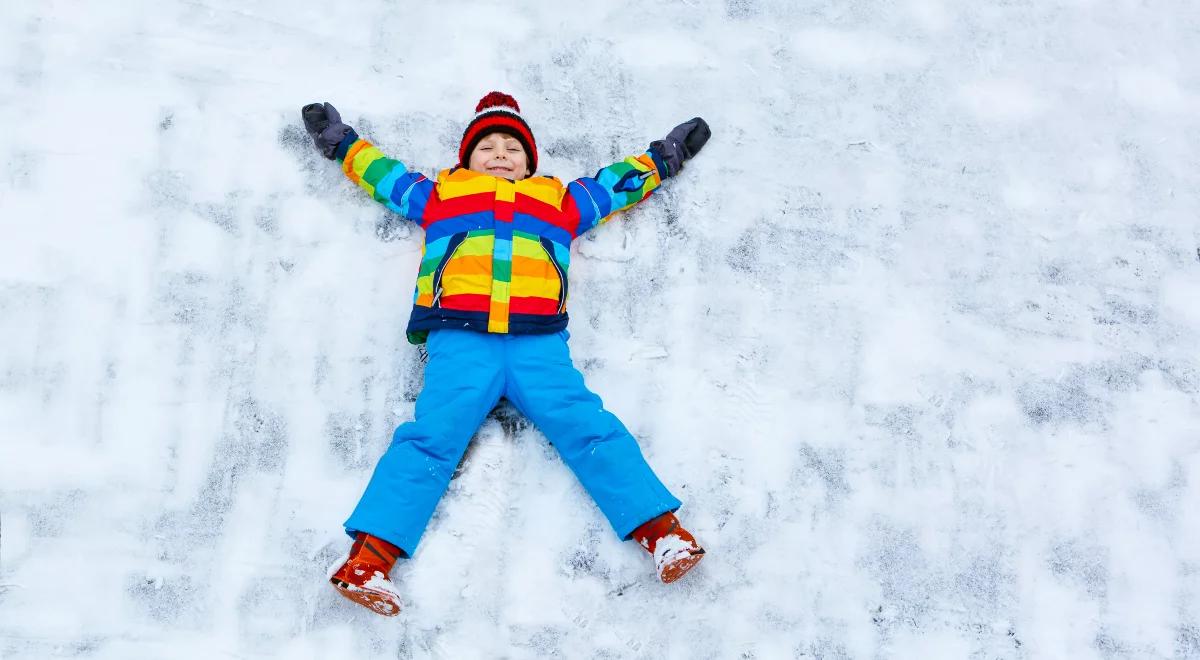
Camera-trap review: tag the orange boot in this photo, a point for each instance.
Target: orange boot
(363, 576)
(674, 549)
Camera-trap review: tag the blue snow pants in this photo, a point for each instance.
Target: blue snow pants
(465, 377)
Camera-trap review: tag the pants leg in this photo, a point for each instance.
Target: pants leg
(464, 378)
(546, 387)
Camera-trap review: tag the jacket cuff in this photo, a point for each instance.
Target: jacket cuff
(339, 154)
(660, 163)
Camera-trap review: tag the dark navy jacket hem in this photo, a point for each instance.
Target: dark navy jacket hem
(424, 319)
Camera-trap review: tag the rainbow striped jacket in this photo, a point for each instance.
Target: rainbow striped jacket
(496, 252)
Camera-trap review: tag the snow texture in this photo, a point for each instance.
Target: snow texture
(914, 338)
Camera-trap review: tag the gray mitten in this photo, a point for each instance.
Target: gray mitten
(324, 124)
(683, 142)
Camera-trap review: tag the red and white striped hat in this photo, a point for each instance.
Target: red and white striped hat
(498, 112)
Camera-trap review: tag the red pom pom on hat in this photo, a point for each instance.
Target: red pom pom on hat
(498, 112)
(496, 100)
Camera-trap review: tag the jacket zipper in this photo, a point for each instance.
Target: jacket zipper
(562, 277)
(456, 242)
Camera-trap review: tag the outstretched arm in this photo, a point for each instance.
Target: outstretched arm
(614, 188)
(387, 180)
(621, 185)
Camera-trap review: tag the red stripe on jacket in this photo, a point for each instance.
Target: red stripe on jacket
(440, 209)
(466, 302)
(546, 213)
(533, 305)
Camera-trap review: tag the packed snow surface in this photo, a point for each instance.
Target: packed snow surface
(916, 338)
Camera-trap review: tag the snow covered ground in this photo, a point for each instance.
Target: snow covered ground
(915, 338)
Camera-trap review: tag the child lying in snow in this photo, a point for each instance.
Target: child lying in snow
(491, 303)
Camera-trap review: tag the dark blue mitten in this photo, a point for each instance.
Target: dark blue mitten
(683, 142)
(324, 124)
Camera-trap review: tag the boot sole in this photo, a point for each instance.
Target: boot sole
(378, 602)
(677, 569)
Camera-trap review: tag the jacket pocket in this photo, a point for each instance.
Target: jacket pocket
(548, 247)
(456, 242)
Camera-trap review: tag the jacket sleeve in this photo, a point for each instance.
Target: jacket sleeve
(615, 188)
(386, 180)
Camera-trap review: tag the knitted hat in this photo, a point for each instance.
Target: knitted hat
(498, 112)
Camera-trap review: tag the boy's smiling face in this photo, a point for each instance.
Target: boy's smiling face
(500, 154)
